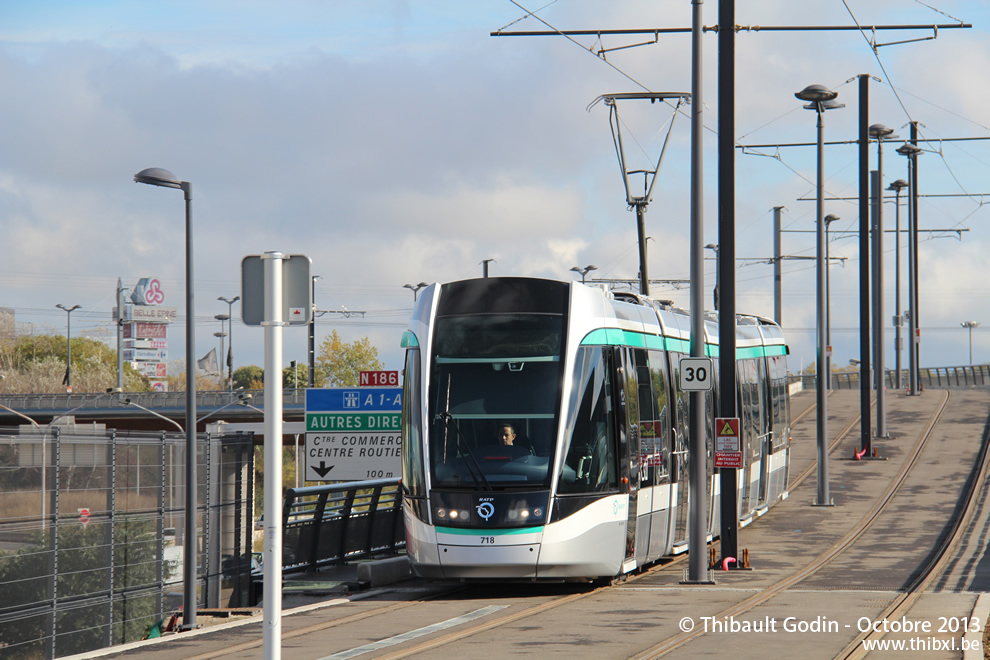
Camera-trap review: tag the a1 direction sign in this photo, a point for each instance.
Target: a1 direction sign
(352, 433)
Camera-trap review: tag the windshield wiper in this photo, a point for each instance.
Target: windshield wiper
(447, 418)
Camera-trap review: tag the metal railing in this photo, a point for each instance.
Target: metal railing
(333, 524)
(934, 377)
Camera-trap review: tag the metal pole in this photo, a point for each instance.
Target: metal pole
(230, 347)
(728, 490)
(312, 339)
(777, 304)
(68, 340)
(916, 296)
(824, 496)
(272, 596)
(644, 277)
(866, 437)
(828, 313)
(897, 288)
(880, 368)
(190, 557)
(120, 338)
(698, 526)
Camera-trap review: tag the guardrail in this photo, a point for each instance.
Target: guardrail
(935, 377)
(337, 523)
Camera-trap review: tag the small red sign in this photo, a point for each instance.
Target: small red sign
(378, 379)
(84, 516)
(728, 459)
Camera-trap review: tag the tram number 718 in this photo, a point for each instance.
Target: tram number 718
(487, 540)
(696, 374)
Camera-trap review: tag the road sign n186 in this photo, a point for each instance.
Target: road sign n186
(696, 374)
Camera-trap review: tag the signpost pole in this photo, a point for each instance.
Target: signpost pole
(272, 323)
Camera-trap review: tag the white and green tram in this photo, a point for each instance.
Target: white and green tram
(595, 483)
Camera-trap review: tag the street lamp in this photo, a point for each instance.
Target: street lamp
(911, 152)
(714, 248)
(879, 132)
(230, 344)
(897, 186)
(820, 99)
(970, 325)
(584, 271)
(829, 219)
(221, 335)
(157, 176)
(312, 336)
(415, 288)
(68, 340)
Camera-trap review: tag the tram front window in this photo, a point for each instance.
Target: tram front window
(494, 392)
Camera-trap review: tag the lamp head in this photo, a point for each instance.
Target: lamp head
(816, 94)
(157, 176)
(909, 150)
(898, 185)
(881, 132)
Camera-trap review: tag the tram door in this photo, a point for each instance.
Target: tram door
(766, 429)
(680, 464)
(626, 387)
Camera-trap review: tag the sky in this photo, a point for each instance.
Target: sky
(396, 142)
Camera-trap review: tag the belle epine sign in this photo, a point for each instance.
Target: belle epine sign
(352, 433)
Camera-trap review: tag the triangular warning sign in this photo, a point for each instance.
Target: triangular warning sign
(727, 429)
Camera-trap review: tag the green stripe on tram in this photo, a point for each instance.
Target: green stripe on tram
(459, 531)
(620, 337)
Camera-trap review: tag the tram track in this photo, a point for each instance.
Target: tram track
(521, 611)
(823, 559)
(490, 623)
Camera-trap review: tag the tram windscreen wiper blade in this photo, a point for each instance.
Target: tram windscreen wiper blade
(458, 438)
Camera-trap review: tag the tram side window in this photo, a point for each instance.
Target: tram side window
(589, 453)
(413, 472)
(655, 427)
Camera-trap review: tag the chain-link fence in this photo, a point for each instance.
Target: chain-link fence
(91, 525)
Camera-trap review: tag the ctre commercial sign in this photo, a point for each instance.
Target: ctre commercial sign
(353, 434)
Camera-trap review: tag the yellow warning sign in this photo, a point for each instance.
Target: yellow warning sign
(727, 426)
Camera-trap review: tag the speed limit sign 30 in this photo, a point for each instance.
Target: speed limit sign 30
(696, 374)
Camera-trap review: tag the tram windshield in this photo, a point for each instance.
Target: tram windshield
(495, 389)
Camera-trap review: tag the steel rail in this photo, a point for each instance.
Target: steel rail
(820, 561)
(904, 601)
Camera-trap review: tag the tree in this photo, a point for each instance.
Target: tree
(37, 364)
(294, 378)
(249, 378)
(338, 363)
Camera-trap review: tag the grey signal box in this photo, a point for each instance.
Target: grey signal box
(297, 290)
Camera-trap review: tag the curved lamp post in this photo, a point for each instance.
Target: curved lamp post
(157, 176)
(714, 248)
(820, 99)
(68, 340)
(584, 271)
(897, 187)
(416, 287)
(230, 342)
(911, 152)
(969, 325)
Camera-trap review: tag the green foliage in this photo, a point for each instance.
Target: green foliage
(37, 364)
(294, 378)
(83, 564)
(249, 378)
(338, 363)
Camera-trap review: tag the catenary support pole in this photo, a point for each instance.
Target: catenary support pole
(698, 526)
(728, 507)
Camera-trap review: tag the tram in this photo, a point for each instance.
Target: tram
(545, 434)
